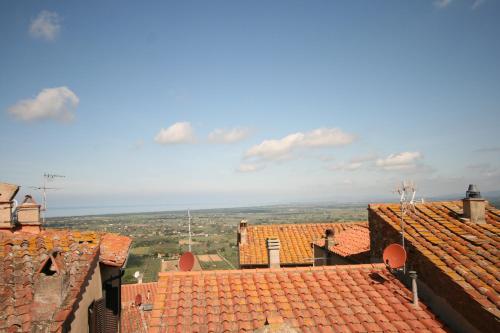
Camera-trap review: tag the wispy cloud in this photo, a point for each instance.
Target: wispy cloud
(477, 3)
(352, 166)
(400, 161)
(57, 103)
(355, 163)
(446, 3)
(442, 3)
(181, 132)
(249, 167)
(488, 150)
(278, 149)
(233, 135)
(484, 169)
(46, 26)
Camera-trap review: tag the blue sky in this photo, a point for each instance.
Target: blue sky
(227, 103)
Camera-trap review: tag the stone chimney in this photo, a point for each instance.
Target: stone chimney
(28, 215)
(51, 286)
(242, 232)
(7, 194)
(330, 238)
(474, 205)
(273, 252)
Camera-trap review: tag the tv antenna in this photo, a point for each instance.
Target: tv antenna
(189, 230)
(47, 177)
(407, 193)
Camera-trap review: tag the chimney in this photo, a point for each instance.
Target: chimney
(413, 276)
(273, 252)
(28, 215)
(7, 194)
(51, 286)
(242, 232)
(330, 238)
(474, 205)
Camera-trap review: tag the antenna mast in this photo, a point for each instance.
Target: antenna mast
(407, 193)
(47, 177)
(189, 228)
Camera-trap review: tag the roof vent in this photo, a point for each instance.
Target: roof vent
(472, 192)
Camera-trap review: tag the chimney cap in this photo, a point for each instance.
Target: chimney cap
(330, 233)
(473, 192)
(8, 191)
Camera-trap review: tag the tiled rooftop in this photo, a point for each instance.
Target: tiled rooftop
(133, 319)
(295, 241)
(350, 241)
(21, 257)
(347, 298)
(468, 253)
(114, 249)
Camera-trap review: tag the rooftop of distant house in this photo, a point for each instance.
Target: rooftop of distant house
(349, 242)
(295, 241)
(134, 317)
(464, 252)
(347, 298)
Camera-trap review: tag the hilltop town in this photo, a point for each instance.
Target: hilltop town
(430, 266)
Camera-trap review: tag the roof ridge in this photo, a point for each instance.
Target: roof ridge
(305, 224)
(376, 266)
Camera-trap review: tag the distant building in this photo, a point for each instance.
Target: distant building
(137, 303)
(56, 280)
(454, 248)
(349, 246)
(347, 298)
(291, 244)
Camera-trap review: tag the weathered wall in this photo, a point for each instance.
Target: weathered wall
(5, 212)
(92, 292)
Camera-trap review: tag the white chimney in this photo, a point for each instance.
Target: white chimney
(413, 276)
(273, 252)
(474, 205)
(242, 232)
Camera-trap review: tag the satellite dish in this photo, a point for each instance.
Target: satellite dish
(186, 262)
(394, 256)
(138, 300)
(137, 274)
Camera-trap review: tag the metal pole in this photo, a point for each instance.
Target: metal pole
(189, 228)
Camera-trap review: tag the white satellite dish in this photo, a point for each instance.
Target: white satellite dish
(137, 274)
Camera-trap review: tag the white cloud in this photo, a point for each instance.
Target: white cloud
(401, 161)
(45, 26)
(282, 148)
(442, 3)
(57, 103)
(233, 135)
(477, 3)
(246, 167)
(483, 169)
(352, 166)
(180, 132)
(446, 3)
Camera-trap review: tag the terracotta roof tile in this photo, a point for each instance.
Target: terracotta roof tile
(133, 318)
(21, 258)
(350, 241)
(297, 304)
(466, 252)
(114, 249)
(295, 241)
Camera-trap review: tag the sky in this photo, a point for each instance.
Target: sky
(228, 103)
